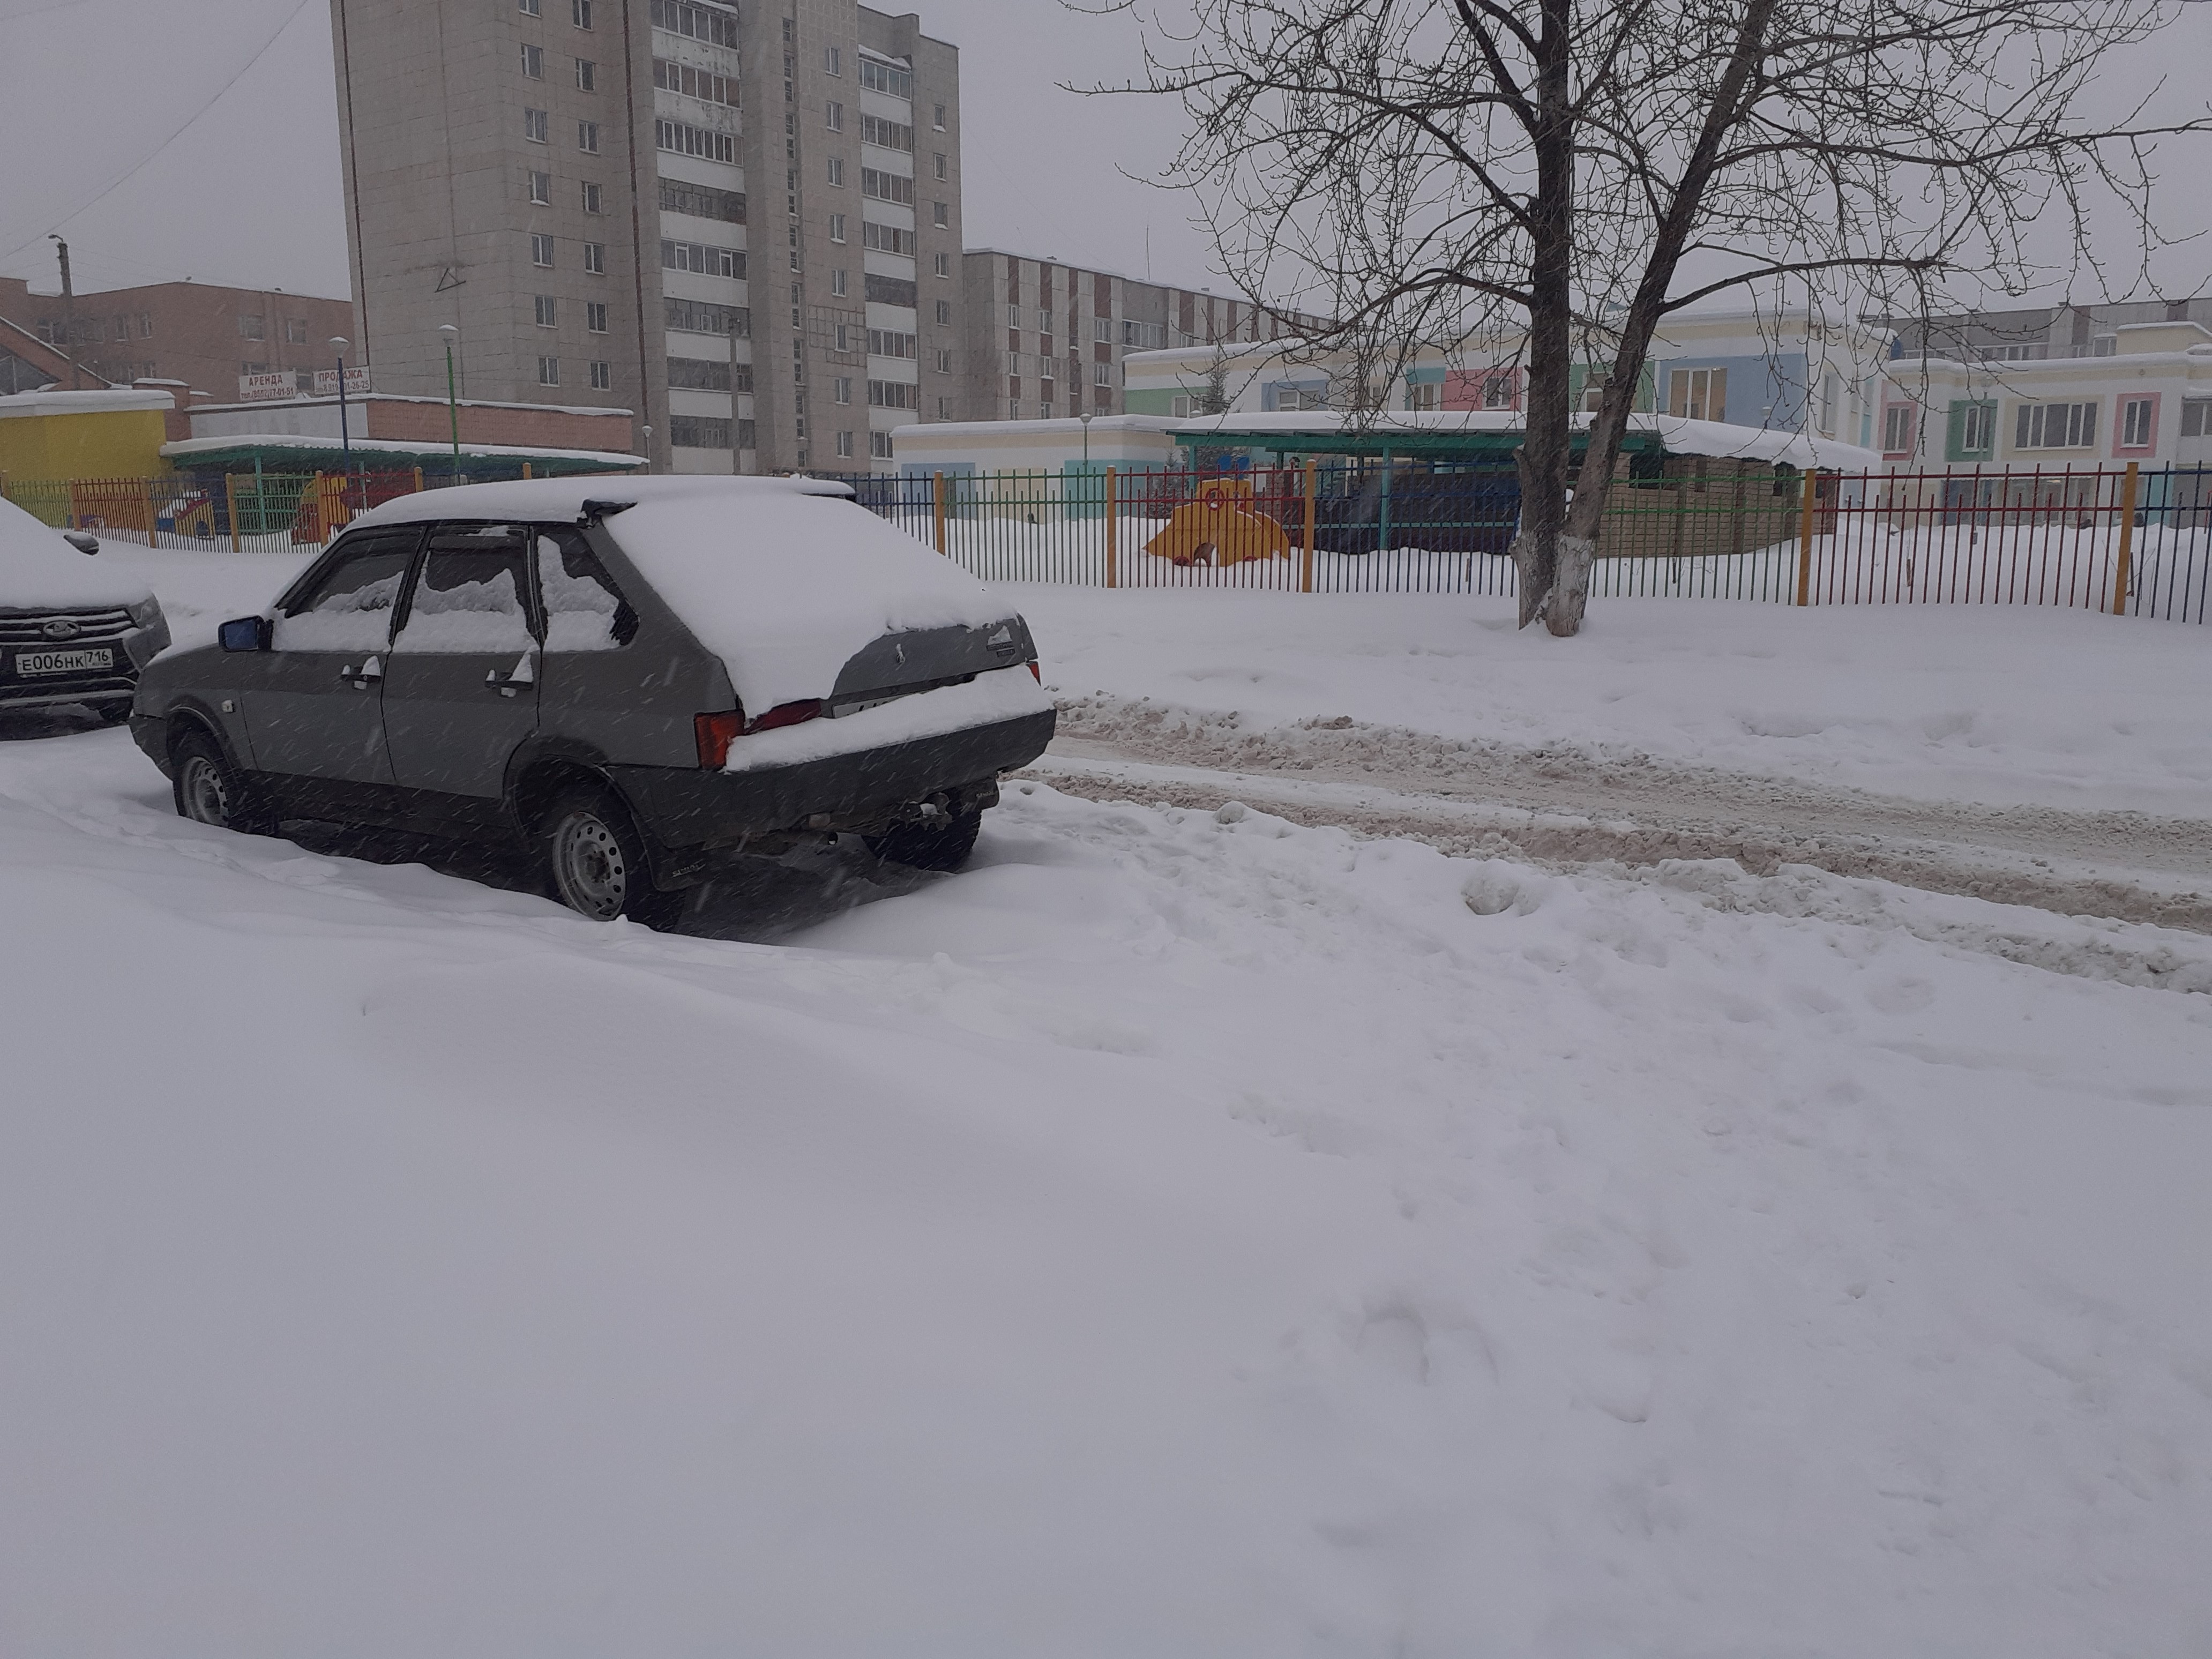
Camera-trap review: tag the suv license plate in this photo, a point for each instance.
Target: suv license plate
(64, 662)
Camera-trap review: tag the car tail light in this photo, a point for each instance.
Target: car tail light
(716, 733)
(1036, 672)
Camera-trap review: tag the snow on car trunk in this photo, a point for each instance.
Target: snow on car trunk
(40, 571)
(784, 587)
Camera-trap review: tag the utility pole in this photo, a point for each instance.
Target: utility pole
(69, 311)
(338, 344)
(453, 401)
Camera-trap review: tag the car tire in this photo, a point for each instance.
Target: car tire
(595, 860)
(944, 844)
(208, 789)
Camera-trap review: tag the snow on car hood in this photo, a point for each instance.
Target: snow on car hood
(784, 588)
(40, 571)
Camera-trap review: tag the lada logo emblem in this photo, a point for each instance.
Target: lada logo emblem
(61, 628)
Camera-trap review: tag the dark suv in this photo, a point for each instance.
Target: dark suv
(635, 677)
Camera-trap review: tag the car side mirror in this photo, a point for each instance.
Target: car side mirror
(247, 633)
(84, 542)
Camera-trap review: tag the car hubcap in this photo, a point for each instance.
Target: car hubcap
(594, 878)
(206, 800)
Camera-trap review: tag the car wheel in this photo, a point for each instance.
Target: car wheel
(941, 844)
(209, 789)
(596, 860)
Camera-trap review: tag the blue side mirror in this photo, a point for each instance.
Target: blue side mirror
(246, 634)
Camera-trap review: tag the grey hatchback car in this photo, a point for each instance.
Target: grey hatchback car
(633, 678)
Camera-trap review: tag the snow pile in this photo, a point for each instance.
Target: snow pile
(39, 570)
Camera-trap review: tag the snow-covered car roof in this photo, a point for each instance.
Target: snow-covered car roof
(783, 578)
(40, 571)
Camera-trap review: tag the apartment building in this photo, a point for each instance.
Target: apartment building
(202, 334)
(1045, 340)
(728, 221)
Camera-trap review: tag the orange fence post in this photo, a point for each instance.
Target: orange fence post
(230, 505)
(1805, 541)
(418, 481)
(153, 516)
(2125, 572)
(1113, 532)
(1305, 555)
(937, 506)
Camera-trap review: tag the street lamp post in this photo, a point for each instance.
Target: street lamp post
(338, 344)
(453, 400)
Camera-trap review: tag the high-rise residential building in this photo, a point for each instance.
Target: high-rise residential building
(1044, 339)
(739, 221)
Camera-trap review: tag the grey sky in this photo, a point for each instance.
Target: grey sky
(109, 105)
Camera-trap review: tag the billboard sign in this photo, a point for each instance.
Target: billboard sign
(254, 388)
(326, 382)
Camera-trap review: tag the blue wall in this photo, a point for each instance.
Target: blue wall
(1754, 384)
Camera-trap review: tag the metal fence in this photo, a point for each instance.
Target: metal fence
(2116, 540)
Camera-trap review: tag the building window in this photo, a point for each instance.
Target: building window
(2055, 426)
(891, 394)
(548, 310)
(682, 138)
(548, 371)
(533, 61)
(295, 329)
(837, 170)
(937, 119)
(700, 317)
(939, 163)
(587, 137)
(698, 375)
(703, 257)
(1102, 330)
(832, 115)
(837, 281)
(945, 313)
(703, 84)
(886, 77)
(702, 201)
(2197, 417)
(845, 445)
(2137, 423)
(1897, 430)
(942, 265)
(146, 328)
(836, 227)
(251, 327)
(1102, 374)
(888, 291)
(1832, 392)
(880, 445)
(1013, 316)
(887, 187)
(886, 239)
(541, 189)
(595, 259)
(595, 316)
(940, 215)
(698, 432)
(944, 361)
(541, 252)
(528, 8)
(716, 28)
(887, 135)
(580, 13)
(1179, 408)
(1972, 434)
(587, 76)
(832, 62)
(840, 389)
(1698, 394)
(1013, 408)
(589, 198)
(890, 342)
(534, 126)
(603, 377)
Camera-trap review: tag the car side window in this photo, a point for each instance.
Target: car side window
(584, 611)
(472, 592)
(348, 605)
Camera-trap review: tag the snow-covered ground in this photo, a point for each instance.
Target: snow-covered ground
(1181, 1233)
(2000, 705)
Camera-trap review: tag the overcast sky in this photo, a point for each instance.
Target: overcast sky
(199, 140)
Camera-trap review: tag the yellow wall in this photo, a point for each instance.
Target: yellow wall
(108, 443)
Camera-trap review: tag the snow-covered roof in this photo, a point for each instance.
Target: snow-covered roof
(104, 401)
(186, 448)
(1679, 436)
(1067, 426)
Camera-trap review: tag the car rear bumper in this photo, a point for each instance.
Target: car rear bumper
(685, 810)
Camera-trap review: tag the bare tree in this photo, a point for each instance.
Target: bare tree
(1566, 173)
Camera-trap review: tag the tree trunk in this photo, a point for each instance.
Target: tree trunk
(1544, 454)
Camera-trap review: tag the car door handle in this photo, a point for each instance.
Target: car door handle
(522, 674)
(369, 671)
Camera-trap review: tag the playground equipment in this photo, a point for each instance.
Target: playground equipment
(1219, 526)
